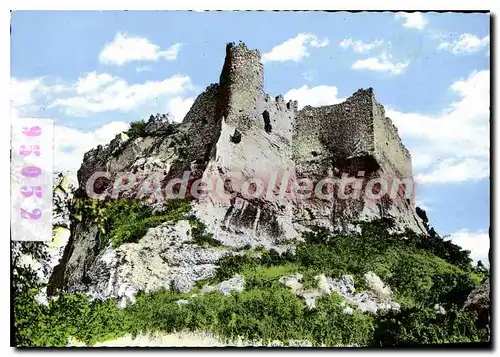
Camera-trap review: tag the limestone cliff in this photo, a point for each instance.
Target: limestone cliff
(235, 129)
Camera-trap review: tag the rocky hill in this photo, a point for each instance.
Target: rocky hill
(250, 214)
(235, 130)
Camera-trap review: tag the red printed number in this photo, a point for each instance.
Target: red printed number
(28, 191)
(25, 151)
(35, 214)
(31, 171)
(33, 131)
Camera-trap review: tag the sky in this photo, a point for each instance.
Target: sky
(95, 72)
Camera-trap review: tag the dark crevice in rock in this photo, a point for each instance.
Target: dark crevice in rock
(236, 137)
(267, 121)
(228, 214)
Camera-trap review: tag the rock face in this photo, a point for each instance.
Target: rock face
(164, 258)
(479, 300)
(249, 149)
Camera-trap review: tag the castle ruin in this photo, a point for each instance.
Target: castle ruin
(259, 134)
(234, 127)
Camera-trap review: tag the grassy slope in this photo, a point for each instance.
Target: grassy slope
(422, 271)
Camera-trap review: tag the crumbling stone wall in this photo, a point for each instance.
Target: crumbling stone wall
(335, 133)
(355, 128)
(347, 138)
(389, 148)
(281, 116)
(203, 125)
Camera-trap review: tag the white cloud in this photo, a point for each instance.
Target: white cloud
(25, 95)
(70, 144)
(414, 20)
(93, 82)
(362, 47)
(478, 243)
(456, 170)
(421, 160)
(178, 107)
(315, 96)
(22, 91)
(466, 43)
(126, 48)
(294, 49)
(381, 63)
(94, 93)
(102, 92)
(454, 145)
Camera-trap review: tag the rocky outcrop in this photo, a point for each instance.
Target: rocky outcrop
(236, 283)
(479, 301)
(164, 258)
(251, 149)
(378, 299)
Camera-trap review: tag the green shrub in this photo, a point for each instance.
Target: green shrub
(137, 129)
(126, 220)
(200, 235)
(329, 326)
(131, 223)
(424, 326)
(229, 266)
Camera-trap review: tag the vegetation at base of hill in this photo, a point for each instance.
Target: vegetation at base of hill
(407, 262)
(421, 272)
(126, 220)
(414, 326)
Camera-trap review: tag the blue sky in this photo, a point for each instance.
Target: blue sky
(94, 72)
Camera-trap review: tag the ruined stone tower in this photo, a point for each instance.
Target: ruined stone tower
(354, 129)
(241, 82)
(245, 105)
(255, 142)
